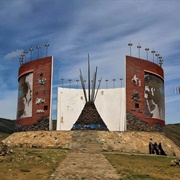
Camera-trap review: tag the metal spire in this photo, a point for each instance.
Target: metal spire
(88, 78)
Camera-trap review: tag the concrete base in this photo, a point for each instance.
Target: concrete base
(127, 142)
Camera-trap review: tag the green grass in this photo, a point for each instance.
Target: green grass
(172, 131)
(137, 167)
(30, 163)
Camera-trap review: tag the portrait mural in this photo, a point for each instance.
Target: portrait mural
(25, 96)
(154, 96)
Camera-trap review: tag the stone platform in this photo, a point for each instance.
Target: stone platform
(127, 142)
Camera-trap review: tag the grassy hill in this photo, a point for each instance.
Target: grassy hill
(7, 125)
(172, 131)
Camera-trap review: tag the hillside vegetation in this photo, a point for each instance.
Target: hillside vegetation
(172, 131)
(7, 125)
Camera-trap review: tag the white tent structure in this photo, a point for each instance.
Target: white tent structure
(110, 103)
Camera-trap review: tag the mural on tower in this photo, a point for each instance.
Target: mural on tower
(154, 96)
(34, 95)
(25, 96)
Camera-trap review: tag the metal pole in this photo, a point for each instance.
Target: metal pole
(147, 49)
(77, 83)
(139, 47)
(38, 47)
(62, 79)
(153, 52)
(31, 49)
(25, 52)
(121, 81)
(130, 44)
(70, 83)
(47, 45)
(157, 55)
(106, 83)
(114, 83)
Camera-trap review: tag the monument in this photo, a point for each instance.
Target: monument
(89, 118)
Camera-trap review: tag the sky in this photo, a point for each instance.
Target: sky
(102, 28)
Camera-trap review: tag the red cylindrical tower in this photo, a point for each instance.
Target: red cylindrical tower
(145, 102)
(34, 95)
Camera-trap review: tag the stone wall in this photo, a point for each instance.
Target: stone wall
(136, 124)
(40, 124)
(128, 142)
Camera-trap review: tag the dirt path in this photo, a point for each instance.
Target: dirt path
(86, 165)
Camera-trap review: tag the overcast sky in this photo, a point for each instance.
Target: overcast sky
(102, 28)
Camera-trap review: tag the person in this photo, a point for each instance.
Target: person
(156, 148)
(151, 146)
(161, 151)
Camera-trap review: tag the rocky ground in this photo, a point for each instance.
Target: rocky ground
(85, 165)
(85, 158)
(128, 142)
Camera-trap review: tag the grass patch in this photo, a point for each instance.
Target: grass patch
(29, 163)
(143, 167)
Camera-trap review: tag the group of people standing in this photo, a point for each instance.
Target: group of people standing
(155, 148)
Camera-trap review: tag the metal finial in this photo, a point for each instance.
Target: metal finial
(130, 44)
(31, 49)
(161, 62)
(25, 52)
(21, 60)
(38, 48)
(147, 49)
(121, 79)
(139, 47)
(157, 55)
(47, 45)
(62, 80)
(114, 83)
(153, 52)
(106, 83)
(77, 83)
(70, 80)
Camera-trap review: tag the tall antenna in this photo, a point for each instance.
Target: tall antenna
(88, 78)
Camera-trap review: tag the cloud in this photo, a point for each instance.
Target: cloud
(13, 54)
(77, 28)
(8, 104)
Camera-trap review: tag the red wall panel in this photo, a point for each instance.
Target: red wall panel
(41, 68)
(136, 66)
